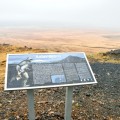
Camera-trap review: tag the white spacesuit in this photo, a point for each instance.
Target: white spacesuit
(22, 69)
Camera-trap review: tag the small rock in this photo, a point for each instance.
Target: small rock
(101, 103)
(51, 112)
(94, 100)
(0, 105)
(76, 104)
(88, 94)
(10, 101)
(57, 114)
(73, 101)
(108, 73)
(12, 118)
(17, 117)
(37, 118)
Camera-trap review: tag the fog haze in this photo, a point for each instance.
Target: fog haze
(62, 13)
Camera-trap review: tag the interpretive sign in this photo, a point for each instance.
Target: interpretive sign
(29, 71)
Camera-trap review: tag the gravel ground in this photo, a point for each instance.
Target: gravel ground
(90, 102)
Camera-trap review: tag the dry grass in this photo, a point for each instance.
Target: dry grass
(101, 57)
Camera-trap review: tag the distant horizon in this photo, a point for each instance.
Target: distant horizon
(63, 14)
(60, 28)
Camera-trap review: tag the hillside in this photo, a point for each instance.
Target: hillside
(98, 102)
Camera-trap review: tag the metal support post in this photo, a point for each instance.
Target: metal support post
(31, 111)
(68, 103)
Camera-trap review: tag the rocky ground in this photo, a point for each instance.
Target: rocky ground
(100, 101)
(90, 102)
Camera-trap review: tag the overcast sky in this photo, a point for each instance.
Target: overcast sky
(61, 13)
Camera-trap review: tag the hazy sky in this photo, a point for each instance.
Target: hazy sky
(61, 13)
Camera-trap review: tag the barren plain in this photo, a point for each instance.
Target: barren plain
(62, 40)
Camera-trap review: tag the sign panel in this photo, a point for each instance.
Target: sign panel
(29, 71)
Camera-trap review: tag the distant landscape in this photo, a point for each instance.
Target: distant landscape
(62, 40)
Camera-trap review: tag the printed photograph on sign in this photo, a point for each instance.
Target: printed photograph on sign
(26, 71)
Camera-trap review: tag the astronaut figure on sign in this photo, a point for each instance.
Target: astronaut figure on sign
(22, 71)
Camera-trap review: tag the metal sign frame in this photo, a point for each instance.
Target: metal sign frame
(51, 85)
